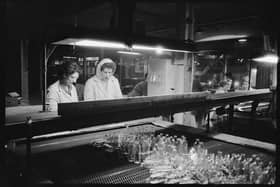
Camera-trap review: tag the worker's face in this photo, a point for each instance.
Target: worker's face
(106, 73)
(72, 79)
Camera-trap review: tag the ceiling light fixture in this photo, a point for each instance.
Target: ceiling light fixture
(128, 53)
(222, 37)
(97, 43)
(268, 58)
(117, 45)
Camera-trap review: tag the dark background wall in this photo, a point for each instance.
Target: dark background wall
(35, 60)
(12, 67)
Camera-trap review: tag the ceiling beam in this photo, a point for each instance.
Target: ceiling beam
(229, 21)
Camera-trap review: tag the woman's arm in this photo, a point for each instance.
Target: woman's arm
(118, 92)
(52, 99)
(89, 93)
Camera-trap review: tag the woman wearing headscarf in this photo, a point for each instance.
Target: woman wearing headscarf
(63, 90)
(103, 85)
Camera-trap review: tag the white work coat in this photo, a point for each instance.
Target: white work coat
(57, 95)
(97, 89)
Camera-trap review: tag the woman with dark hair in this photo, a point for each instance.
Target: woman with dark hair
(103, 85)
(63, 90)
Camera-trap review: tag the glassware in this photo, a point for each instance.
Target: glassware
(170, 157)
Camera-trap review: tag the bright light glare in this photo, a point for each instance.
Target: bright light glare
(254, 70)
(236, 84)
(95, 43)
(92, 58)
(242, 40)
(269, 58)
(128, 52)
(158, 49)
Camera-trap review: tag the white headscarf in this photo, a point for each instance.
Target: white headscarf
(102, 62)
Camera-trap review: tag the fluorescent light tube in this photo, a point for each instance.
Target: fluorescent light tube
(128, 53)
(96, 43)
(158, 49)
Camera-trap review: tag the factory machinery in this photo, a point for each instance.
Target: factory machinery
(126, 141)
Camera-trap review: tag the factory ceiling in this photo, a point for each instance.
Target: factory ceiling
(214, 21)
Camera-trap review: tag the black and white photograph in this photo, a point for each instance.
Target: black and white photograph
(140, 92)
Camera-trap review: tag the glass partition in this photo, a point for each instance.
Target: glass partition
(139, 72)
(223, 73)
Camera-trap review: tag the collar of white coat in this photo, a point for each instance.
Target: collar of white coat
(60, 89)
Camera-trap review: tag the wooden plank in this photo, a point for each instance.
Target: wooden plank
(244, 141)
(92, 113)
(221, 136)
(164, 124)
(156, 105)
(99, 128)
(57, 141)
(238, 94)
(238, 97)
(159, 104)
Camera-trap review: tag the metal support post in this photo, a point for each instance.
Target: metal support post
(28, 151)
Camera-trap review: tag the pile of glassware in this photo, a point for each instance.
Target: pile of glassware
(171, 160)
(136, 147)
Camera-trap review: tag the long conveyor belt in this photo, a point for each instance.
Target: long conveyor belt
(88, 164)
